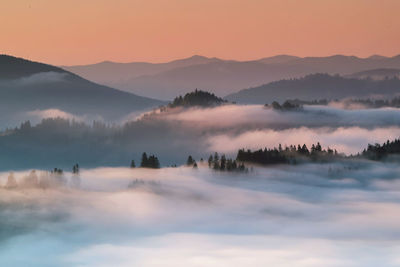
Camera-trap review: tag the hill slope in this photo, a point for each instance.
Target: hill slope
(316, 86)
(27, 86)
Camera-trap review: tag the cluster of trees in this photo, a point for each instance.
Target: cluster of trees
(197, 98)
(137, 183)
(57, 171)
(192, 162)
(370, 103)
(59, 125)
(44, 179)
(376, 103)
(308, 102)
(147, 162)
(218, 163)
(286, 106)
(378, 151)
(287, 155)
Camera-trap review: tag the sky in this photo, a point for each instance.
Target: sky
(70, 32)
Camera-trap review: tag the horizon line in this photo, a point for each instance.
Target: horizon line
(200, 56)
(225, 59)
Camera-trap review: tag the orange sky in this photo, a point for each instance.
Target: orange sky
(89, 31)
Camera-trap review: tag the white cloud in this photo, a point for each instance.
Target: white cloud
(51, 113)
(349, 140)
(42, 77)
(238, 116)
(304, 215)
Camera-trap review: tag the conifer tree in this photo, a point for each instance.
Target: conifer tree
(75, 169)
(216, 165)
(190, 161)
(144, 163)
(210, 161)
(11, 181)
(223, 163)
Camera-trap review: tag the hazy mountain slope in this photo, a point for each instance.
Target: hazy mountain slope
(340, 64)
(117, 74)
(316, 86)
(278, 59)
(26, 86)
(376, 74)
(166, 80)
(220, 77)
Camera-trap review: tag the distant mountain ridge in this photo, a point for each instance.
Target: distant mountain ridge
(278, 59)
(108, 72)
(376, 74)
(316, 86)
(222, 77)
(26, 85)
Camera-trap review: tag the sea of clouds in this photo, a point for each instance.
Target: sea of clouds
(344, 213)
(337, 214)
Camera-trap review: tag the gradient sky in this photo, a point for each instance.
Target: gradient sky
(88, 31)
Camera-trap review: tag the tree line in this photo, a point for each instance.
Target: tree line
(286, 106)
(218, 163)
(378, 151)
(150, 161)
(281, 155)
(292, 104)
(287, 155)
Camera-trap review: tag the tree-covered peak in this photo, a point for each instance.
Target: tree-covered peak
(197, 98)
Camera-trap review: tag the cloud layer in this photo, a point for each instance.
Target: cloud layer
(310, 116)
(339, 214)
(349, 140)
(51, 113)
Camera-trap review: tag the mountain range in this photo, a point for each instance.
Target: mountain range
(27, 86)
(222, 77)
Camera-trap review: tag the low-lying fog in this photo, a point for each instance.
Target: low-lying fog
(338, 214)
(177, 133)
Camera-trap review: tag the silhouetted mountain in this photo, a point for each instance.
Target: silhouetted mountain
(27, 86)
(376, 74)
(316, 86)
(15, 68)
(222, 77)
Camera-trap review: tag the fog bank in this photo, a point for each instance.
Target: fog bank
(307, 215)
